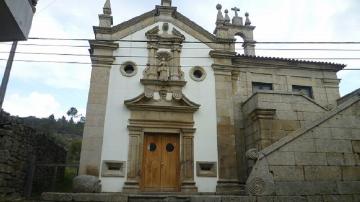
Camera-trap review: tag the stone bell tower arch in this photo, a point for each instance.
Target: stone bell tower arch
(228, 30)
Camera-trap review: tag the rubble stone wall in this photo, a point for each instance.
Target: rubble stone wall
(21, 148)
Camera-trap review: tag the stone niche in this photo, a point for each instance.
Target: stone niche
(162, 108)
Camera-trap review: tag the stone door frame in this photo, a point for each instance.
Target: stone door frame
(137, 131)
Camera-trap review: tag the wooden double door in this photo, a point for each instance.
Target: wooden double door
(161, 163)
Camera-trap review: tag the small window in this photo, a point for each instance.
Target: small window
(113, 169)
(304, 90)
(197, 73)
(206, 169)
(152, 147)
(257, 86)
(170, 147)
(128, 69)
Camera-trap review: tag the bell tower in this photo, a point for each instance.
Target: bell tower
(228, 30)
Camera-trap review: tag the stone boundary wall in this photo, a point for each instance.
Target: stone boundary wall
(21, 148)
(322, 158)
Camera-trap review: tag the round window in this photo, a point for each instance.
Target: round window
(128, 69)
(197, 73)
(152, 147)
(170, 147)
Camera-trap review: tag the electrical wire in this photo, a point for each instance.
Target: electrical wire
(192, 48)
(183, 57)
(205, 42)
(88, 63)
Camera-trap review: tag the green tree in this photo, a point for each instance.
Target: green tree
(74, 152)
(72, 112)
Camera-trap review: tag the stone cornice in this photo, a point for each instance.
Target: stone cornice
(133, 21)
(154, 15)
(222, 54)
(102, 60)
(223, 68)
(145, 104)
(262, 114)
(137, 124)
(163, 83)
(251, 28)
(107, 45)
(194, 26)
(284, 93)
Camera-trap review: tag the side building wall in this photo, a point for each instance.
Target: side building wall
(322, 158)
(282, 75)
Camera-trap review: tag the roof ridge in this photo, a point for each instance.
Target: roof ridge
(289, 60)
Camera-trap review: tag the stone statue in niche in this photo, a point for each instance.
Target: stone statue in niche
(163, 70)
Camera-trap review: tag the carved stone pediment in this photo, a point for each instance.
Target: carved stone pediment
(163, 103)
(163, 78)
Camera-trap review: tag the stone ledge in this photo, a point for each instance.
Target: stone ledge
(198, 197)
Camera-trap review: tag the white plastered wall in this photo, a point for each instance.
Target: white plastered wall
(121, 88)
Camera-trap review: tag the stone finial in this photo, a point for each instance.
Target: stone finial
(106, 20)
(247, 21)
(166, 3)
(220, 17)
(107, 8)
(227, 18)
(34, 2)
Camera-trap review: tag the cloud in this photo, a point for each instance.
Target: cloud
(34, 104)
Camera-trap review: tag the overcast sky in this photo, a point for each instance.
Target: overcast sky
(41, 89)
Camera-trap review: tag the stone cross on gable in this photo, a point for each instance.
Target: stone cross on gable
(166, 3)
(236, 9)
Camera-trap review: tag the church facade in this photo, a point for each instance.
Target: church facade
(173, 108)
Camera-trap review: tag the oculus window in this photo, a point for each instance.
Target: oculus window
(128, 69)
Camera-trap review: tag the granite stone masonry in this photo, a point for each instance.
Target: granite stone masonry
(21, 148)
(321, 158)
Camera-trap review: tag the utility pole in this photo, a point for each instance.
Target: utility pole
(6, 76)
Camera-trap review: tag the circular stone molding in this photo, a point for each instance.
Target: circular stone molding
(197, 73)
(128, 69)
(256, 186)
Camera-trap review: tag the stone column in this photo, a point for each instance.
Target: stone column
(132, 183)
(102, 59)
(152, 72)
(175, 68)
(95, 116)
(228, 170)
(249, 48)
(187, 161)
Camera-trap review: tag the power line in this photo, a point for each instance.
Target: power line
(205, 42)
(46, 7)
(143, 47)
(184, 57)
(88, 63)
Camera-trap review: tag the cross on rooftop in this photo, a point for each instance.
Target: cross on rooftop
(236, 9)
